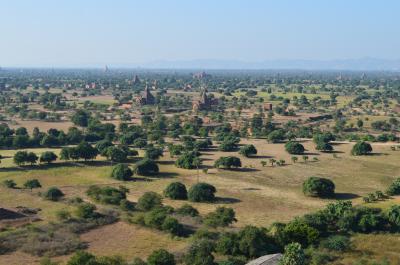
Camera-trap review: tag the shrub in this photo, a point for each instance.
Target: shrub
(107, 195)
(222, 216)
(361, 148)
(336, 243)
(202, 192)
(318, 187)
(9, 183)
(121, 172)
(294, 148)
(53, 194)
(85, 210)
(148, 201)
(248, 150)
(146, 167)
(188, 210)
(161, 257)
(126, 205)
(176, 191)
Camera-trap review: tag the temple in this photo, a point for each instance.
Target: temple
(204, 103)
(146, 98)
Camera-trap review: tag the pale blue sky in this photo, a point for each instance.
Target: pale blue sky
(83, 32)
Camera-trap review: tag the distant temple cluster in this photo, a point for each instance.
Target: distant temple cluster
(204, 103)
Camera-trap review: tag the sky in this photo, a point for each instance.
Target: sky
(98, 32)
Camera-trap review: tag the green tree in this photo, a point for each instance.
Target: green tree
(200, 253)
(146, 167)
(32, 184)
(153, 153)
(227, 162)
(318, 187)
(248, 150)
(361, 148)
(161, 257)
(121, 172)
(294, 255)
(202, 192)
(148, 201)
(81, 118)
(115, 154)
(294, 148)
(53, 194)
(48, 157)
(176, 191)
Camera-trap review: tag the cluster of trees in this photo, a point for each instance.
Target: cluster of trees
(200, 192)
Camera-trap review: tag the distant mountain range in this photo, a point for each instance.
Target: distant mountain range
(363, 64)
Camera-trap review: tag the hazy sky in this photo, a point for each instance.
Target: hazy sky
(82, 32)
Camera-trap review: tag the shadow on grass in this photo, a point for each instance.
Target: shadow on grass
(345, 196)
(262, 157)
(226, 200)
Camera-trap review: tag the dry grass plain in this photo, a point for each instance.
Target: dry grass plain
(259, 195)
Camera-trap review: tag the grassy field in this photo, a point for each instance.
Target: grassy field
(259, 195)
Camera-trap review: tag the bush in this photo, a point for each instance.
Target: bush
(227, 162)
(394, 188)
(188, 210)
(248, 150)
(294, 148)
(9, 183)
(107, 195)
(126, 205)
(318, 187)
(148, 201)
(121, 172)
(361, 148)
(222, 216)
(146, 167)
(176, 191)
(86, 210)
(336, 243)
(202, 192)
(53, 194)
